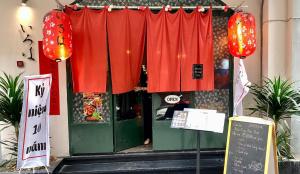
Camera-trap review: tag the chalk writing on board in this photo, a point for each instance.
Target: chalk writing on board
(256, 166)
(247, 148)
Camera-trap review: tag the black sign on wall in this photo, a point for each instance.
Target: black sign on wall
(197, 71)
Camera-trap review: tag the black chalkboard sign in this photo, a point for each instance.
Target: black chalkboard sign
(251, 147)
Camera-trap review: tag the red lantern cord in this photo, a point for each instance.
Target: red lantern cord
(57, 32)
(241, 34)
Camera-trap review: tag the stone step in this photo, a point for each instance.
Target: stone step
(144, 163)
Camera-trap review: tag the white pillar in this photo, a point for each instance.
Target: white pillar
(274, 38)
(281, 49)
(293, 62)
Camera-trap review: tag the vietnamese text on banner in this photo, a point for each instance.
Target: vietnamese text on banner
(33, 143)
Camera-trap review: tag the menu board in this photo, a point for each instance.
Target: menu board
(250, 147)
(199, 119)
(205, 120)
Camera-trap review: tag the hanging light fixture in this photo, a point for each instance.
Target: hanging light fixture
(25, 13)
(57, 32)
(241, 34)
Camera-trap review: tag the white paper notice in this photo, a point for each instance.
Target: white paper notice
(205, 120)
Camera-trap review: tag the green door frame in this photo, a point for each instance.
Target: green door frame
(83, 137)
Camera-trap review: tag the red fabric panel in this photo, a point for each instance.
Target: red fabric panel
(163, 48)
(197, 48)
(48, 66)
(89, 59)
(126, 37)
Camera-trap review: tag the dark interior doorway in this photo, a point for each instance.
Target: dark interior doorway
(147, 114)
(133, 118)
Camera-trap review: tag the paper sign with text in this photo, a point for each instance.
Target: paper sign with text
(34, 144)
(179, 119)
(205, 120)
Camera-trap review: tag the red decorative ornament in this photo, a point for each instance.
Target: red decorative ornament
(142, 8)
(57, 32)
(226, 7)
(241, 34)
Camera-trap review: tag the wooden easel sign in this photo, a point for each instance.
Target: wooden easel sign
(251, 146)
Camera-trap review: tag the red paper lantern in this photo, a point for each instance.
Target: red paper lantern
(57, 32)
(241, 34)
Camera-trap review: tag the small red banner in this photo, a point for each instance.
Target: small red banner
(48, 66)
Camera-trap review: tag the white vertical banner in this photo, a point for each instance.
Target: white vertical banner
(34, 143)
(241, 88)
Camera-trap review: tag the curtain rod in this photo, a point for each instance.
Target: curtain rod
(158, 7)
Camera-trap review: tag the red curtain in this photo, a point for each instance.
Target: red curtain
(126, 38)
(197, 48)
(163, 51)
(89, 59)
(176, 42)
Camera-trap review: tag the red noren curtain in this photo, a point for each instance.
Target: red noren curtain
(126, 38)
(175, 43)
(163, 49)
(89, 59)
(197, 48)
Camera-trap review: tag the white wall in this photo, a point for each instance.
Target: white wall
(11, 47)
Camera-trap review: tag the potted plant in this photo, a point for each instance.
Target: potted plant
(278, 99)
(11, 99)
